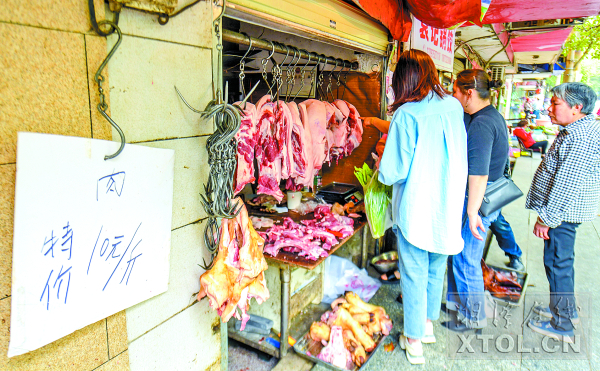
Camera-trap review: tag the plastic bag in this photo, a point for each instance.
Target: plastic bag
(377, 199)
(342, 275)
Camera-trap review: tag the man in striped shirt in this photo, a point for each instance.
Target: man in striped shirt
(565, 192)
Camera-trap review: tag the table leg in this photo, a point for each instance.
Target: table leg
(224, 347)
(285, 310)
(365, 246)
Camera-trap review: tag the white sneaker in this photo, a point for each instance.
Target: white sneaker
(414, 351)
(429, 337)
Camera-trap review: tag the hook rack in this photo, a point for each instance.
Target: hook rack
(238, 38)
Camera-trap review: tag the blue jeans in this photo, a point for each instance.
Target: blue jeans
(422, 274)
(505, 237)
(559, 257)
(466, 293)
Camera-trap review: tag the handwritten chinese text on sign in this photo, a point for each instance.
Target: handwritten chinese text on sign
(91, 237)
(438, 43)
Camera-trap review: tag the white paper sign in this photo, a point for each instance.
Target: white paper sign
(91, 237)
(438, 43)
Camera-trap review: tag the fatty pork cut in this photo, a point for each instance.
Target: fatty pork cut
(237, 273)
(269, 149)
(355, 129)
(296, 148)
(337, 130)
(314, 118)
(246, 142)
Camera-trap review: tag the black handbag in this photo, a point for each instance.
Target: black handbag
(499, 194)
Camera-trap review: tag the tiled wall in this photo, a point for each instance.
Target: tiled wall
(47, 65)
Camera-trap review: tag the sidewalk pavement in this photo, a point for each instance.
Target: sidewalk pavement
(587, 284)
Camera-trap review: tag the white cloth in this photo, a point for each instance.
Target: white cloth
(425, 159)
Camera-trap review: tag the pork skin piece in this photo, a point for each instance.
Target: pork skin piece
(246, 142)
(285, 123)
(237, 273)
(335, 352)
(337, 123)
(269, 151)
(315, 122)
(355, 129)
(319, 331)
(346, 322)
(307, 148)
(296, 146)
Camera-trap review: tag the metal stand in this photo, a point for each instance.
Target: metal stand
(285, 310)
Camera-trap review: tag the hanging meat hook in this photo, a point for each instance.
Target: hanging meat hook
(242, 75)
(344, 83)
(291, 74)
(103, 106)
(302, 74)
(328, 90)
(337, 93)
(320, 78)
(264, 63)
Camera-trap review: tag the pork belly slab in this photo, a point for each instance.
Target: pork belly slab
(246, 141)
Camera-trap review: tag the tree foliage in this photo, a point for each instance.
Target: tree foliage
(585, 38)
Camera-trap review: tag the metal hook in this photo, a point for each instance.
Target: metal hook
(328, 90)
(338, 83)
(102, 106)
(242, 75)
(264, 63)
(302, 74)
(291, 73)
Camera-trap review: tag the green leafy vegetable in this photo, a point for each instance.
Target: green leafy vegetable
(377, 198)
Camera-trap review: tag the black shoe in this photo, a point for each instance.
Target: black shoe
(516, 263)
(460, 327)
(399, 298)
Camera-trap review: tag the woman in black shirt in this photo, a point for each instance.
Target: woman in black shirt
(487, 143)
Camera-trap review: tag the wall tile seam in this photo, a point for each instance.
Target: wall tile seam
(107, 342)
(89, 33)
(192, 223)
(165, 321)
(110, 359)
(6, 297)
(166, 41)
(8, 163)
(166, 139)
(87, 69)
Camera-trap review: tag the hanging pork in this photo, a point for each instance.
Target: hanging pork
(237, 274)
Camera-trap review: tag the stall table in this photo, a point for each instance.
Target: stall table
(285, 261)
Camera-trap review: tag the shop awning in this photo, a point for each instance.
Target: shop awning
(548, 41)
(391, 13)
(502, 11)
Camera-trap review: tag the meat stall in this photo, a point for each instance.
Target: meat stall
(301, 92)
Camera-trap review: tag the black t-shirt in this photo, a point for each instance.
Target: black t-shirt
(487, 143)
